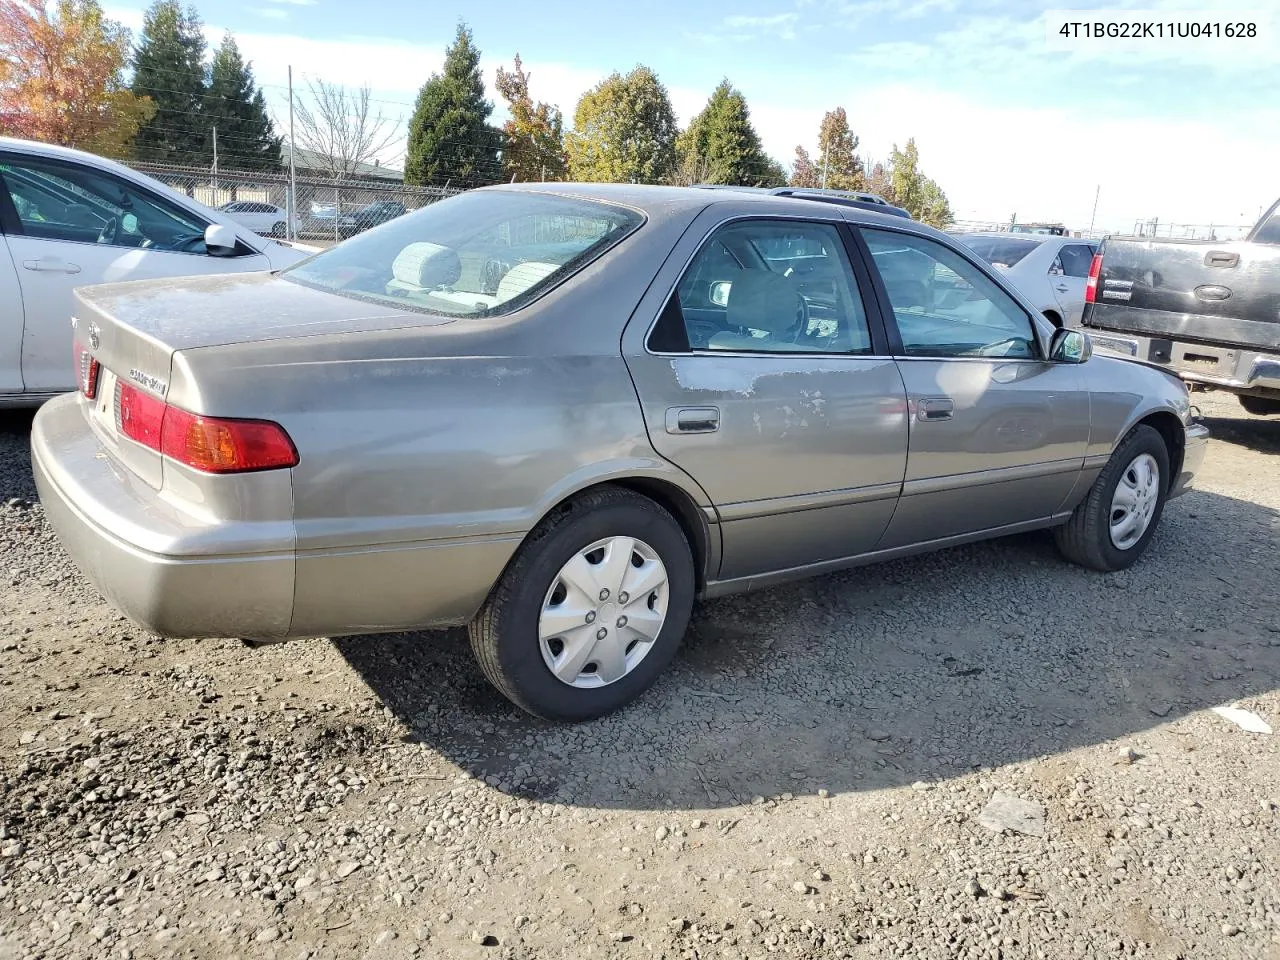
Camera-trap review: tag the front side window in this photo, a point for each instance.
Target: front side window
(473, 255)
(767, 286)
(65, 201)
(944, 306)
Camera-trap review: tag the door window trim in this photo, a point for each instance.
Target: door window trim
(897, 349)
(876, 327)
(6, 205)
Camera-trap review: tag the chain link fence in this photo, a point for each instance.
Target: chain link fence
(325, 209)
(1153, 229)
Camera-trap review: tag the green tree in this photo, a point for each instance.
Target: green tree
(534, 144)
(838, 163)
(624, 131)
(450, 138)
(722, 139)
(168, 67)
(237, 110)
(913, 191)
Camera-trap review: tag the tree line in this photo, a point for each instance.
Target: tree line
(70, 75)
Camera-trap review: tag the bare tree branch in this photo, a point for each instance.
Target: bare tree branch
(340, 128)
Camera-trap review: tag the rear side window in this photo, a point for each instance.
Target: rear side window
(1000, 251)
(477, 254)
(1269, 232)
(766, 286)
(1075, 258)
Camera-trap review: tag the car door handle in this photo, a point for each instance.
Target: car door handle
(1062, 288)
(935, 408)
(1221, 258)
(51, 265)
(693, 419)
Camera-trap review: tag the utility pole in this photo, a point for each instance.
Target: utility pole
(215, 167)
(1095, 207)
(291, 211)
(825, 162)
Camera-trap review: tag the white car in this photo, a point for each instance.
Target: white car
(264, 219)
(1051, 271)
(70, 219)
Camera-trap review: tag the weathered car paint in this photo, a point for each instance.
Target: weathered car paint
(430, 448)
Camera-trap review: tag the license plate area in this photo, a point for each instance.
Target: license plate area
(1207, 360)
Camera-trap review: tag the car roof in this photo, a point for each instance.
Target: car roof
(654, 199)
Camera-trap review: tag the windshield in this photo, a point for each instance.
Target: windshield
(999, 251)
(476, 254)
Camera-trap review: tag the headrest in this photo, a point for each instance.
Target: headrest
(427, 265)
(764, 300)
(523, 276)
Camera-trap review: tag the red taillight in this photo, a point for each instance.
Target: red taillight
(1091, 285)
(87, 370)
(208, 444)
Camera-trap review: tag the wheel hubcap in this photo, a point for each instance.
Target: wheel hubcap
(1135, 500)
(603, 612)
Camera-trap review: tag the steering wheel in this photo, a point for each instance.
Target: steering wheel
(110, 232)
(802, 329)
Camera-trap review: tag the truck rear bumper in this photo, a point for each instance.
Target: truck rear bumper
(1227, 368)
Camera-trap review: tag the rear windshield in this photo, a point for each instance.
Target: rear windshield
(477, 254)
(999, 250)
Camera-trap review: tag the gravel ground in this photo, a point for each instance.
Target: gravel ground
(808, 780)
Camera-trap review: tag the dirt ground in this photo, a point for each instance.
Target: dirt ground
(808, 780)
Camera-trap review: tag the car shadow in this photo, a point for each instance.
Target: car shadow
(1260, 434)
(915, 670)
(16, 481)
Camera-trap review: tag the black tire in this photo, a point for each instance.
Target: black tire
(277, 229)
(504, 634)
(1260, 406)
(1054, 319)
(1086, 537)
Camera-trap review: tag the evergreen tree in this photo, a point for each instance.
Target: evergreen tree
(237, 110)
(168, 67)
(624, 131)
(913, 191)
(450, 138)
(723, 139)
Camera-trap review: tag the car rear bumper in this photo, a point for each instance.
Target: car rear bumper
(1226, 368)
(101, 514)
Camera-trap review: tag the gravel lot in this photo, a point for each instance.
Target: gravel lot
(807, 781)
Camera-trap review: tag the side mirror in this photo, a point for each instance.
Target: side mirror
(1070, 346)
(219, 240)
(719, 292)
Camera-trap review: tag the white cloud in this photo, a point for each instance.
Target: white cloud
(295, 3)
(1046, 162)
(271, 13)
(777, 20)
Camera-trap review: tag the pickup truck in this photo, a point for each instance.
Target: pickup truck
(1209, 311)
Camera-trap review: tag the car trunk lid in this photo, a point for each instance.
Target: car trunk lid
(128, 333)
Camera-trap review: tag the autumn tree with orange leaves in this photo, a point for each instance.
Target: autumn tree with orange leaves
(62, 77)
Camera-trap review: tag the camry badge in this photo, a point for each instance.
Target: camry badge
(95, 339)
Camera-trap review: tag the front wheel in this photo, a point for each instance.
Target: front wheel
(591, 609)
(1112, 526)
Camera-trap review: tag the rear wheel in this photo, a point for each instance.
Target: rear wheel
(1054, 319)
(277, 230)
(1260, 406)
(591, 610)
(1112, 526)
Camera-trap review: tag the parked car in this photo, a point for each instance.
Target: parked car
(264, 219)
(670, 393)
(349, 224)
(1050, 270)
(69, 218)
(1203, 309)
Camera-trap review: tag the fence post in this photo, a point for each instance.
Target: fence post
(337, 213)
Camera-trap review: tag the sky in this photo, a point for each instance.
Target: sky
(1009, 117)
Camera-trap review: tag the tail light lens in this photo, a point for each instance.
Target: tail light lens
(208, 444)
(87, 370)
(1091, 285)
